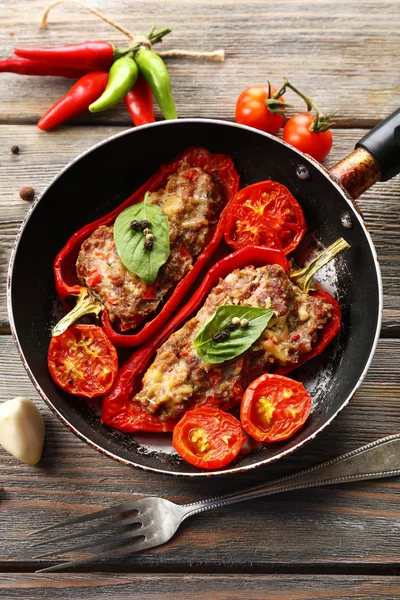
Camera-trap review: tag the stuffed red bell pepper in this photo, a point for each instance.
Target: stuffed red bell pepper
(150, 249)
(253, 319)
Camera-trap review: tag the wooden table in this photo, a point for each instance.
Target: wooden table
(340, 542)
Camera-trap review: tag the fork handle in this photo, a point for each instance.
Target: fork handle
(373, 461)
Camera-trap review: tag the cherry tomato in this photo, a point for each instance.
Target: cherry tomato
(265, 214)
(297, 133)
(83, 361)
(251, 109)
(208, 438)
(274, 408)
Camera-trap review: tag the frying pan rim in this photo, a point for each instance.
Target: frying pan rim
(79, 434)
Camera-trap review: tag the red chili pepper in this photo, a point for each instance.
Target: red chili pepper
(221, 168)
(118, 407)
(85, 91)
(94, 56)
(24, 66)
(139, 102)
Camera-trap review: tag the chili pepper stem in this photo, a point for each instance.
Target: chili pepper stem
(154, 37)
(85, 305)
(320, 123)
(303, 278)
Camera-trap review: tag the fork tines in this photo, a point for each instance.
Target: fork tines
(129, 515)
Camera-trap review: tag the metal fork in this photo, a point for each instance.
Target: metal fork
(152, 521)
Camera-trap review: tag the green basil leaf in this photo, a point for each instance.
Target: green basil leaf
(240, 339)
(130, 244)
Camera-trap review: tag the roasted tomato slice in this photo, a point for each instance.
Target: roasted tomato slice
(265, 214)
(274, 407)
(83, 361)
(208, 438)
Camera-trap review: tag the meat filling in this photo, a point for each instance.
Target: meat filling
(192, 204)
(178, 379)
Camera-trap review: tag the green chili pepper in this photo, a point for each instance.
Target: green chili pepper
(122, 76)
(153, 69)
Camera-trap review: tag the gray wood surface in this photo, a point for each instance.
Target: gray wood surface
(333, 542)
(341, 51)
(196, 587)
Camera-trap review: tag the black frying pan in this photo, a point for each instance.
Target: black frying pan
(101, 178)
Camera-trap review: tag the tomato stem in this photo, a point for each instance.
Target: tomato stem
(303, 278)
(85, 305)
(275, 105)
(320, 123)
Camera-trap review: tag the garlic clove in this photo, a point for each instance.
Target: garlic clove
(22, 430)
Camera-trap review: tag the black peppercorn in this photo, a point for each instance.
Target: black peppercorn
(221, 336)
(231, 327)
(15, 149)
(148, 244)
(144, 224)
(135, 225)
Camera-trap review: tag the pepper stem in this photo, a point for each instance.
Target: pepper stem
(154, 37)
(303, 278)
(85, 305)
(319, 124)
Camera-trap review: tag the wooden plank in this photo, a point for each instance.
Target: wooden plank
(197, 587)
(350, 524)
(316, 44)
(42, 155)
